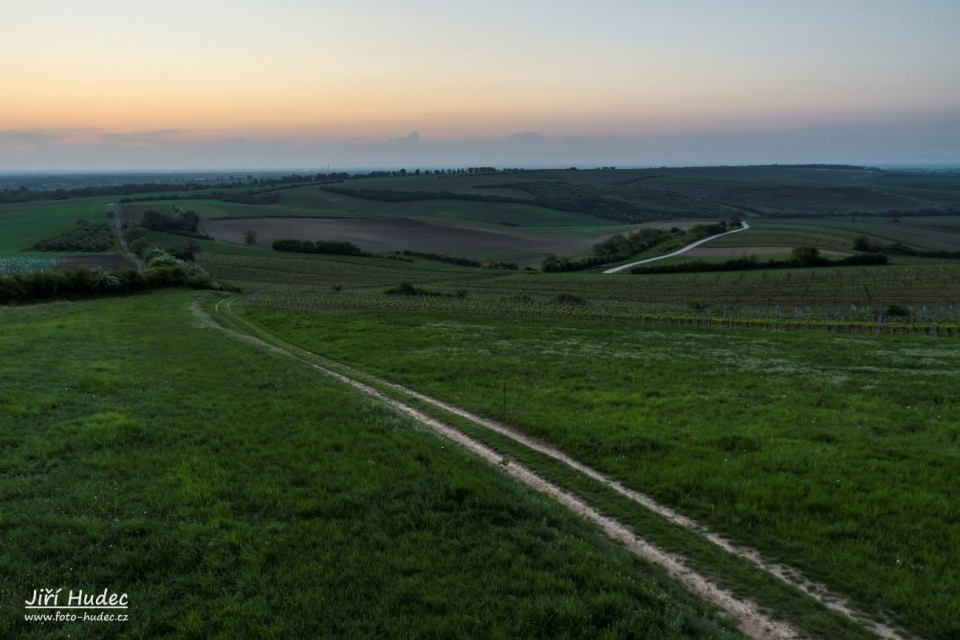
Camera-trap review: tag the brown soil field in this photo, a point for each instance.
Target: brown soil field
(704, 252)
(112, 261)
(397, 234)
(944, 228)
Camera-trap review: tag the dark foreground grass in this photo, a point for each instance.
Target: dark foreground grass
(835, 454)
(232, 493)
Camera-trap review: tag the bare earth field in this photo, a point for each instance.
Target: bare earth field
(113, 261)
(704, 252)
(397, 234)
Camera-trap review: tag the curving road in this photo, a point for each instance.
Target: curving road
(679, 251)
(115, 210)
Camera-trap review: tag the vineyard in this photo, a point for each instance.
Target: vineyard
(914, 298)
(940, 322)
(10, 266)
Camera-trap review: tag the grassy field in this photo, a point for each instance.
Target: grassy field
(231, 491)
(21, 225)
(837, 455)
(838, 234)
(763, 190)
(269, 502)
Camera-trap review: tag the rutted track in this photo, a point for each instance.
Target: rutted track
(115, 210)
(752, 620)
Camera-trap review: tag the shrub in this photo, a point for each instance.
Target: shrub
(135, 233)
(806, 256)
(896, 311)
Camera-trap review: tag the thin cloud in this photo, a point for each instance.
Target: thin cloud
(31, 137)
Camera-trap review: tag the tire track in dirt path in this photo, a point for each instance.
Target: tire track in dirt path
(789, 575)
(115, 210)
(751, 619)
(821, 593)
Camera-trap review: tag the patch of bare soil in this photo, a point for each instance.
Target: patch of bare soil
(111, 261)
(941, 228)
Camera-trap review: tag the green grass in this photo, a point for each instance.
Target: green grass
(837, 455)
(314, 202)
(233, 493)
(22, 225)
(838, 234)
(320, 202)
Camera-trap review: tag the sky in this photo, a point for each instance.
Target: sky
(260, 84)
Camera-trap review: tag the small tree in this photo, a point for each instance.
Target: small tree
(861, 243)
(806, 255)
(250, 237)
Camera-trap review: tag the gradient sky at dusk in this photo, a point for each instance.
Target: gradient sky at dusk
(111, 84)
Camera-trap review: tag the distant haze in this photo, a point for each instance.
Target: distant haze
(119, 85)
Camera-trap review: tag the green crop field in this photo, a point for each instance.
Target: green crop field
(21, 225)
(782, 425)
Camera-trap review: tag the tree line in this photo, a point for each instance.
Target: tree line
(319, 246)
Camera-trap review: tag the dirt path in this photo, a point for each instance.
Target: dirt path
(115, 210)
(679, 251)
(789, 575)
(751, 619)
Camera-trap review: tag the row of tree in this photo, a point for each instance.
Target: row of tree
(393, 195)
(319, 246)
(80, 282)
(461, 261)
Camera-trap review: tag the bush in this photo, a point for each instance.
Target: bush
(140, 246)
(806, 256)
(80, 282)
(175, 220)
(135, 233)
